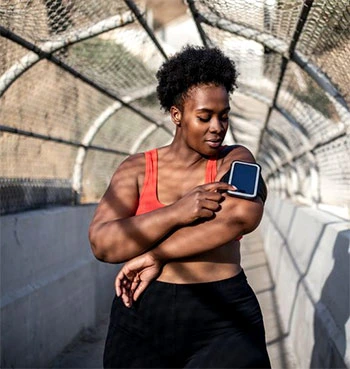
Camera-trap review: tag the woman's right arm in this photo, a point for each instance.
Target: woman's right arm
(117, 235)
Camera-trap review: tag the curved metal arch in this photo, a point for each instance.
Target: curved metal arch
(147, 133)
(197, 19)
(133, 7)
(266, 39)
(82, 77)
(288, 52)
(278, 46)
(309, 148)
(250, 93)
(280, 142)
(270, 161)
(270, 152)
(289, 155)
(95, 128)
(313, 169)
(314, 194)
(279, 181)
(303, 133)
(141, 138)
(50, 47)
(89, 136)
(257, 96)
(293, 180)
(285, 143)
(319, 77)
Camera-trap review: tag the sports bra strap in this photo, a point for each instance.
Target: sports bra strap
(211, 170)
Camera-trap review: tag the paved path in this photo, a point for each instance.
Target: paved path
(259, 277)
(86, 352)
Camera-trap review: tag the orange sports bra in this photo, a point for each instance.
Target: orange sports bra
(148, 199)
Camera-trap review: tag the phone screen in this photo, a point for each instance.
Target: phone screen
(244, 176)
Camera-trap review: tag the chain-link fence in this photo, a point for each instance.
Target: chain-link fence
(77, 87)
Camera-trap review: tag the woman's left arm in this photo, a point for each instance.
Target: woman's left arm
(235, 218)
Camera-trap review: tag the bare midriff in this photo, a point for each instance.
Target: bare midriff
(220, 263)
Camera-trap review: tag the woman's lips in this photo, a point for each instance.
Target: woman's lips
(214, 144)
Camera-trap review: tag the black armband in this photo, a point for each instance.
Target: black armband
(262, 189)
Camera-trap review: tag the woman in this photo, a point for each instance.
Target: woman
(182, 296)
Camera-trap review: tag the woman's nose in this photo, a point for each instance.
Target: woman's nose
(216, 125)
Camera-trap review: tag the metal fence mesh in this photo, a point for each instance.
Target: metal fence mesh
(45, 20)
(77, 94)
(326, 41)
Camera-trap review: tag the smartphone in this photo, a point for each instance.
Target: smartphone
(245, 177)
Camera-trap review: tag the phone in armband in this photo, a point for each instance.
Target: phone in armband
(245, 177)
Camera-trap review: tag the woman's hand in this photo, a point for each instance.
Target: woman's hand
(135, 276)
(201, 202)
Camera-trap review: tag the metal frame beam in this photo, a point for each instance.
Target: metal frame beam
(278, 46)
(94, 129)
(39, 136)
(67, 68)
(132, 6)
(52, 46)
(300, 25)
(268, 40)
(308, 151)
(198, 19)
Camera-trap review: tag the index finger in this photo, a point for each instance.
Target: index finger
(118, 283)
(122, 275)
(214, 186)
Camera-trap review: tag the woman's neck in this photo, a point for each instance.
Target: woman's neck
(183, 154)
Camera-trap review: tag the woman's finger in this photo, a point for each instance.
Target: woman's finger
(133, 286)
(124, 275)
(126, 288)
(126, 299)
(215, 186)
(140, 288)
(211, 205)
(119, 281)
(126, 295)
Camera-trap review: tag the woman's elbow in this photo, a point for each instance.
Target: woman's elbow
(249, 216)
(106, 256)
(96, 247)
(99, 255)
(100, 250)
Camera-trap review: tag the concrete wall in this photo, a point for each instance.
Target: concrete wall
(308, 253)
(48, 278)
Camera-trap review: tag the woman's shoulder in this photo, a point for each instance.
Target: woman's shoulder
(134, 161)
(129, 169)
(230, 153)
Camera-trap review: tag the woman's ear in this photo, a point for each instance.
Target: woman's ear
(176, 115)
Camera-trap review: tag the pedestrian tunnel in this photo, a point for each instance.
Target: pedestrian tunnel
(77, 96)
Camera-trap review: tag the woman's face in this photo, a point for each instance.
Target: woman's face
(203, 121)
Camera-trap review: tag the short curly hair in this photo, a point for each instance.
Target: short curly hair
(192, 66)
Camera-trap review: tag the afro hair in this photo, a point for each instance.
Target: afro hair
(190, 67)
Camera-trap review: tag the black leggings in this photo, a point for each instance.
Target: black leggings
(201, 325)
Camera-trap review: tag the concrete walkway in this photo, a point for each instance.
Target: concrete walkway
(259, 277)
(86, 351)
